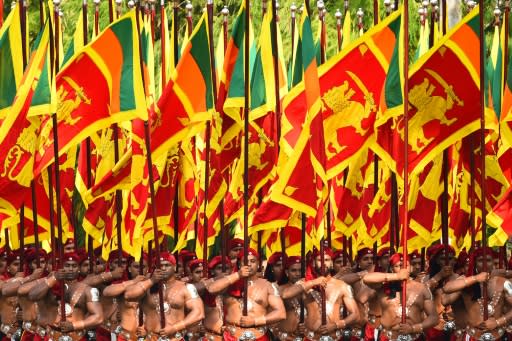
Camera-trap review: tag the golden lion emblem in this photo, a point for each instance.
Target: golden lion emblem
(429, 108)
(345, 113)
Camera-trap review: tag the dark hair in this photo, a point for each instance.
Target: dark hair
(269, 274)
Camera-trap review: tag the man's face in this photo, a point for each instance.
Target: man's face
(69, 247)
(168, 268)
(3, 265)
(115, 263)
(366, 261)
(13, 268)
(446, 259)
(84, 267)
(253, 264)
(100, 266)
(233, 253)
(42, 264)
(293, 272)
(217, 270)
(338, 264)
(197, 274)
(384, 262)
(327, 262)
(480, 263)
(134, 268)
(277, 268)
(71, 270)
(415, 266)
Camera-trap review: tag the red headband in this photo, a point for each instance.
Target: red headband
(385, 251)
(363, 252)
(167, 256)
(218, 260)
(72, 256)
(292, 260)
(250, 252)
(393, 260)
(276, 257)
(12, 256)
(235, 242)
(414, 255)
(114, 255)
(194, 264)
(434, 250)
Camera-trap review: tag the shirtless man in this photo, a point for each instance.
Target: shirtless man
(341, 263)
(293, 291)
(415, 261)
(366, 297)
(69, 246)
(264, 305)
(82, 306)
(499, 291)
(383, 260)
(420, 309)
(127, 311)
(274, 269)
(235, 246)
(9, 305)
(118, 273)
(338, 297)
(440, 269)
(21, 286)
(182, 305)
(213, 303)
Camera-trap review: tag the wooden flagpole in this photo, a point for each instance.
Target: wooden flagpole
(406, 153)
(224, 233)
(246, 145)
(482, 156)
(209, 8)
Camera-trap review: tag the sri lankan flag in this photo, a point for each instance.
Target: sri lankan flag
(18, 132)
(187, 100)
(99, 86)
(350, 87)
(506, 109)
(11, 60)
(443, 97)
(302, 150)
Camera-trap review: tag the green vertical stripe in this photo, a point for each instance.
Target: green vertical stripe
(393, 85)
(7, 78)
(258, 93)
(308, 45)
(474, 24)
(124, 33)
(200, 51)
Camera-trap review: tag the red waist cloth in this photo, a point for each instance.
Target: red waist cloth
(229, 337)
(433, 334)
(29, 336)
(307, 339)
(102, 334)
(385, 338)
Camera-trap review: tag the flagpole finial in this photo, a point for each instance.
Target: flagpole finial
(293, 9)
(189, 8)
(338, 16)
(497, 13)
(225, 13)
(387, 4)
(56, 3)
(97, 2)
(13, 4)
(360, 15)
(131, 4)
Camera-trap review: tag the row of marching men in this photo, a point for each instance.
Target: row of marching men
(122, 298)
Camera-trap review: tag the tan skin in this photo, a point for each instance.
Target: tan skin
(338, 294)
(290, 293)
(212, 322)
(421, 313)
(184, 309)
(8, 304)
(3, 264)
(87, 312)
(127, 311)
(266, 307)
(495, 286)
(28, 307)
